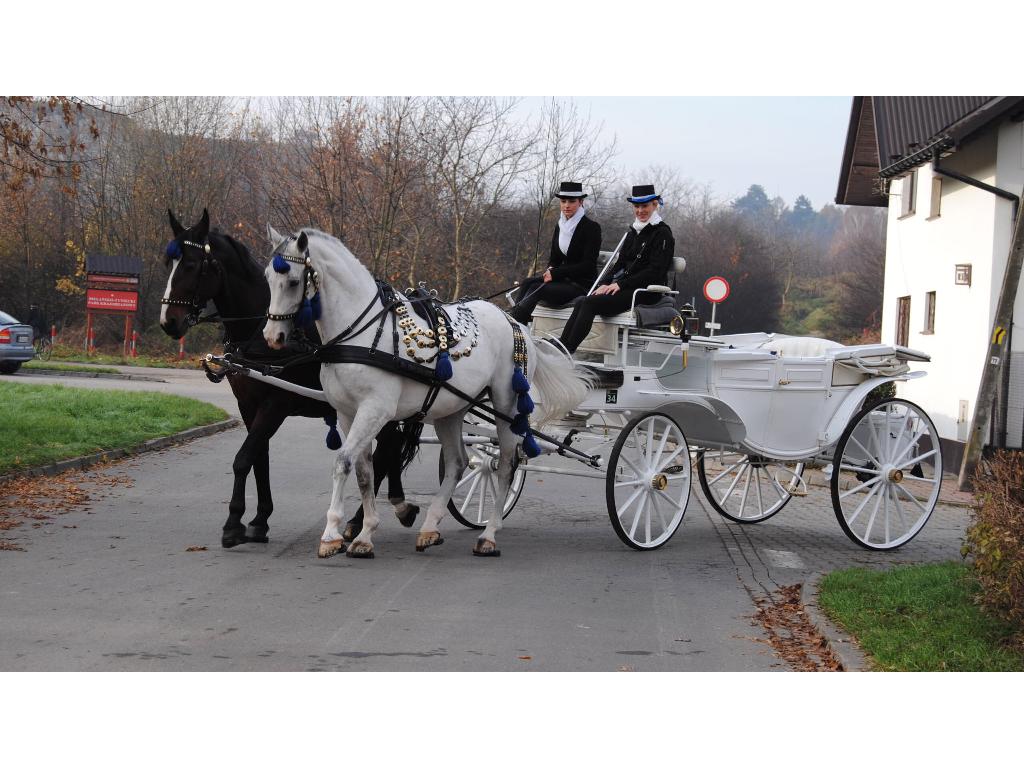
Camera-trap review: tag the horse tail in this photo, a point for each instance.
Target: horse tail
(411, 431)
(562, 384)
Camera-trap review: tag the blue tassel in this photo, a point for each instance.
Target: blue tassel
(280, 265)
(315, 305)
(173, 250)
(530, 447)
(333, 438)
(519, 382)
(443, 371)
(305, 315)
(524, 403)
(520, 424)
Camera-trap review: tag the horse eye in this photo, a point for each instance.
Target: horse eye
(294, 283)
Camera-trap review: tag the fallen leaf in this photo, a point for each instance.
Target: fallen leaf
(196, 549)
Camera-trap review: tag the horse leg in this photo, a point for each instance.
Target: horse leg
(254, 456)
(387, 458)
(449, 433)
(355, 451)
(486, 545)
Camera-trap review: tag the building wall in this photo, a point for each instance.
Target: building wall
(922, 252)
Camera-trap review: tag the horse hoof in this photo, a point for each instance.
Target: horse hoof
(229, 540)
(429, 539)
(408, 517)
(363, 551)
(330, 548)
(258, 534)
(350, 532)
(485, 548)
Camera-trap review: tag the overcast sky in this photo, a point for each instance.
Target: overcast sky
(789, 145)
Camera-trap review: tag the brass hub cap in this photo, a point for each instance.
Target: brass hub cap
(896, 476)
(659, 482)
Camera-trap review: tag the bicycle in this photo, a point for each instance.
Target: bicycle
(44, 347)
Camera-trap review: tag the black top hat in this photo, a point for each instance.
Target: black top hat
(644, 193)
(571, 190)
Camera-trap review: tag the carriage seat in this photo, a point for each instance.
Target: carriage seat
(801, 346)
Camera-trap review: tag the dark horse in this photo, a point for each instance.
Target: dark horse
(210, 266)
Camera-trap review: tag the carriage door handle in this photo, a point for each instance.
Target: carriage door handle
(784, 382)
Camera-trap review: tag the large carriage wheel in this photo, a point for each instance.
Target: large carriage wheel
(886, 474)
(472, 501)
(747, 489)
(648, 481)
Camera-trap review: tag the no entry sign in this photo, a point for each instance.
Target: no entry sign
(716, 289)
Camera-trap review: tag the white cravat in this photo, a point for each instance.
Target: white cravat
(655, 219)
(566, 227)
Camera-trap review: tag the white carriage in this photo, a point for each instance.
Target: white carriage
(758, 416)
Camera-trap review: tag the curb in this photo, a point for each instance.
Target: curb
(156, 444)
(88, 375)
(842, 646)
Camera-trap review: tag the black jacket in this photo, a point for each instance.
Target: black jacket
(645, 258)
(580, 264)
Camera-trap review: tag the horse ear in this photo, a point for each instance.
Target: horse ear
(274, 236)
(175, 226)
(303, 242)
(204, 226)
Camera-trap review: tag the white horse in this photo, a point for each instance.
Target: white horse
(367, 397)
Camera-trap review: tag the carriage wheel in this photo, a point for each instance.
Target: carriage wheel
(748, 489)
(886, 474)
(472, 501)
(648, 481)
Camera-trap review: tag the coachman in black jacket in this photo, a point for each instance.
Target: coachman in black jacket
(569, 273)
(644, 259)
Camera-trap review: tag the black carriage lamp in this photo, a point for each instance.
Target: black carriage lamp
(686, 323)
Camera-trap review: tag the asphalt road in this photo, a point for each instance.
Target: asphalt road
(121, 592)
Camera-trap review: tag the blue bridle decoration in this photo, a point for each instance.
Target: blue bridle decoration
(309, 310)
(524, 403)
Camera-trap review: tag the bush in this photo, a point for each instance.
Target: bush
(995, 540)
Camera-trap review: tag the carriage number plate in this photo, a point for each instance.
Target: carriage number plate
(611, 396)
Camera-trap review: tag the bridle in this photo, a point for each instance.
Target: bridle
(281, 264)
(195, 308)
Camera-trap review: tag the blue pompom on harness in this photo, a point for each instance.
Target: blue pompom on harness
(521, 386)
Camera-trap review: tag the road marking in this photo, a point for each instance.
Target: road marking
(780, 558)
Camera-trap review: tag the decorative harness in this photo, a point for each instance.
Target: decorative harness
(194, 316)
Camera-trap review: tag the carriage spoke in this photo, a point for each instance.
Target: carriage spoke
(903, 428)
(854, 468)
(636, 517)
(661, 446)
(918, 459)
(874, 513)
(746, 487)
(729, 491)
(629, 502)
(757, 486)
(727, 471)
(637, 473)
(867, 453)
(469, 495)
(859, 487)
(863, 502)
(899, 507)
(913, 499)
(661, 515)
(910, 445)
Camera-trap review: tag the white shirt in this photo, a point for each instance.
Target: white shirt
(655, 219)
(566, 227)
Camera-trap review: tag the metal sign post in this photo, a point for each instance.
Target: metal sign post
(716, 290)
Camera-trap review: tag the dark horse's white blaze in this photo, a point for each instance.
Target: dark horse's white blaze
(367, 397)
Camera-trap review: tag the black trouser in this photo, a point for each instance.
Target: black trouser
(534, 289)
(579, 324)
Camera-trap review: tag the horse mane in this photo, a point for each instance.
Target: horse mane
(250, 267)
(312, 232)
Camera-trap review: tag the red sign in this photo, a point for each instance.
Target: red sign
(118, 301)
(716, 289)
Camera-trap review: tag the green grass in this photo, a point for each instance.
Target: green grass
(919, 618)
(41, 366)
(43, 423)
(142, 361)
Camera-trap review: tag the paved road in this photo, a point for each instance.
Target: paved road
(120, 591)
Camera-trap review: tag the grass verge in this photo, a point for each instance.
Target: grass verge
(43, 423)
(40, 366)
(919, 618)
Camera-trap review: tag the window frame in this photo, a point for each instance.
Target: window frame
(903, 321)
(929, 313)
(908, 206)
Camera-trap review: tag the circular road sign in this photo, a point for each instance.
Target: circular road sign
(716, 289)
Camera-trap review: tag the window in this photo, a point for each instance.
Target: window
(902, 320)
(929, 312)
(907, 192)
(933, 211)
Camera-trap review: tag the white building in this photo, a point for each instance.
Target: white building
(950, 170)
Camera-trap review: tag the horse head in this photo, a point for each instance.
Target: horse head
(294, 287)
(196, 277)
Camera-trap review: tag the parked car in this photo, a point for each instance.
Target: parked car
(15, 343)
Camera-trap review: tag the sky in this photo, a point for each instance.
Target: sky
(789, 145)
